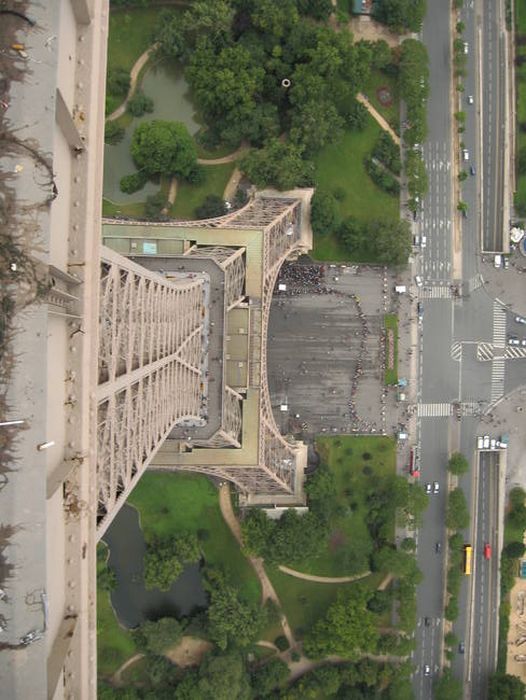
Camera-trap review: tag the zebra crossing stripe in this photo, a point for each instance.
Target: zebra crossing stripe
(456, 351)
(484, 351)
(436, 293)
(499, 325)
(498, 370)
(515, 353)
(433, 410)
(475, 282)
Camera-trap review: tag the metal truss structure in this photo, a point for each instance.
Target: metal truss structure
(149, 371)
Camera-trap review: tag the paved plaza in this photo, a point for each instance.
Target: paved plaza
(326, 353)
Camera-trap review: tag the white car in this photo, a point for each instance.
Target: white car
(486, 442)
(520, 319)
(428, 489)
(480, 443)
(465, 154)
(493, 444)
(466, 47)
(418, 281)
(427, 670)
(512, 340)
(423, 242)
(470, 99)
(436, 487)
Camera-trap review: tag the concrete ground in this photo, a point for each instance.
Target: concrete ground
(506, 285)
(326, 351)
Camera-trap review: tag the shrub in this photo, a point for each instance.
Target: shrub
(113, 133)
(139, 104)
(281, 642)
(134, 182)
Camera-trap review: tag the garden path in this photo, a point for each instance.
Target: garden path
(267, 589)
(378, 117)
(323, 579)
(134, 75)
(117, 676)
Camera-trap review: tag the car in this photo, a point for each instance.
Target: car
(427, 670)
(486, 442)
(497, 261)
(416, 241)
(461, 647)
(438, 547)
(506, 263)
(470, 99)
(523, 342)
(480, 443)
(466, 47)
(436, 487)
(487, 551)
(418, 281)
(428, 489)
(493, 444)
(420, 310)
(513, 340)
(520, 319)
(423, 242)
(465, 154)
(472, 170)
(427, 621)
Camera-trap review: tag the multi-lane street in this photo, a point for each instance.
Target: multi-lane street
(464, 356)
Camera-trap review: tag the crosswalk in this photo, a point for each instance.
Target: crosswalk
(435, 293)
(514, 353)
(433, 410)
(499, 325)
(485, 352)
(498, 370)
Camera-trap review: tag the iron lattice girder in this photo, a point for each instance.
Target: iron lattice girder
(149, 371)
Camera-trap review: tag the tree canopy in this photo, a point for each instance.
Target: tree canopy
(401, 15)
(164, 148)
(156, 637)
(278, 165)
(457, 513)
(324, 213)
(348, 628)
(458, 464)
(503, 686)
(165, 559)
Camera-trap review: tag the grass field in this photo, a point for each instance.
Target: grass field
(134, 209)
(391, 324)
(172, 503)
(357, 463)
(391, 113)
(520, 77)
(340, 165)
(191, 196)
(114, 643)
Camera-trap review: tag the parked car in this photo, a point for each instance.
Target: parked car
(428, 489)
(513, 340)
(423, 242)
(487, 551)
(523, 342)
(418, 281)
(493, 444)
(465, 154)
(506, 262)
(436, 487)
(466, 47)
(480, 443)
(520, 319)
(486, 442)
(420, 310)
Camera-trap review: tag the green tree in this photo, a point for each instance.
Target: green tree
(401, 15)
(214, 205)
(139, 104)
(514, 550)
(113, 133)
(278, 165)
(399, 563)
(231, 620)
(133, 182)
(408, 544)
(503, 686)
(521, 161)
(380, 602)
(165, 559)
(457, 512)
(258, 531)
(156, 637)
(318, 9)
(118, 82)
(163, 148)
(274, 674)
(324, 213)
(391, 241)
(447, 687)
(458, 464)
(220, 677)
(315, 125)
(154, 205)
(348, 628)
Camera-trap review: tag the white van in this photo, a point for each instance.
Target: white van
(497, 261)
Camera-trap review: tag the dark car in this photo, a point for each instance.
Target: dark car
(461, 648)
(420, 310)
(438, 547)
(472, 170)
(427, 621)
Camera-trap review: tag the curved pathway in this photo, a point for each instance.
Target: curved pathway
(225, 159)
(117, 676)
(134, 75)
(378, 117)
(322, 579)
(267, 589)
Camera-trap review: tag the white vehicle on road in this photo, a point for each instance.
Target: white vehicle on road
(486, 442)
(418, 281)
(480, 443)
(470, 99)
(465, 154)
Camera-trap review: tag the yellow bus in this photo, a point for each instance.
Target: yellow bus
(468, 557)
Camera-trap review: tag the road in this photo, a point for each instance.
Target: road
(484, 590)
(461, 339)
(490, 31)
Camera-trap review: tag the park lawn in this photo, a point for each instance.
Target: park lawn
(391, 113)
(349, 544)
(391, 373)
(131, 32)
(340, 165)
(114, 643)
(135, 210)
(189, 197)
(171, 503)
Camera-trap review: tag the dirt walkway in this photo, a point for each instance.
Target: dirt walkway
(376, 115)
(116, 679)
(367, 28)
(134, 74)
(231, 185)
(267, 589)
(225, 159)
(323, 579)
(189, 651)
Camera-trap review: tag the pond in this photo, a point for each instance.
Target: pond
(167, 87)
(133, 604)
